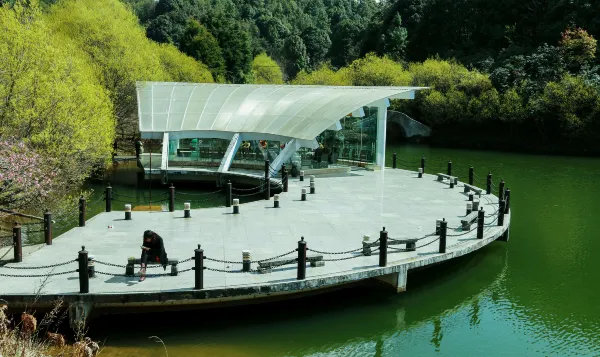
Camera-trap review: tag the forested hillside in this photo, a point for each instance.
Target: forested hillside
(520, 75)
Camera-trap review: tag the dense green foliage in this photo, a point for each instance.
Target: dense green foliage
(67, 83)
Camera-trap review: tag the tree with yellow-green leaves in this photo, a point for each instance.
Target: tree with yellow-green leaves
(325, 75)
(117, 46)
(266, 71)
(52, 101)
(180, 67)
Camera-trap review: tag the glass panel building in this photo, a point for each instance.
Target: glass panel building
(229, 127)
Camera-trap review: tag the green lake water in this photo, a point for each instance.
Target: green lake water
(537, 295)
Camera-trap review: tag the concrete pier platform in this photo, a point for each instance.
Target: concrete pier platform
(343, 210)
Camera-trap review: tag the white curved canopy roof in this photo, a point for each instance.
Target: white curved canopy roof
(301, 112)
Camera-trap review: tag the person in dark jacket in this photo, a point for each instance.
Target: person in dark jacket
(153, 250)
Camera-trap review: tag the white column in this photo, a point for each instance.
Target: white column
(290, 148)
(164, 163)
(382, 106)
(232, 149)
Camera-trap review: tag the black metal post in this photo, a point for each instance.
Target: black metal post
(488, 189)
(501, 190)
(303, 196)
(81, 211)
(501, 213)
(138, 149)
(108, 198)
(301, 175)
(443, 231)
(449, 168)
(471, 175)
(172, 198)
(507, 198)
(199, 268)
(480, 218)
(383, 239)
(394, 161)
(228, 194)
(267, 180)
(48, 228)
(17, 243)
(423, 163)
(284, 178)
(301, 259)
(84, 278)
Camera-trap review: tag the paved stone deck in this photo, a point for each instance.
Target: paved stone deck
(336, 218)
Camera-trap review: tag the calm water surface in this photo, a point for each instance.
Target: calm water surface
(537, 295)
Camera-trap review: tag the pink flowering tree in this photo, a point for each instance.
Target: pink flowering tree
(26, 179)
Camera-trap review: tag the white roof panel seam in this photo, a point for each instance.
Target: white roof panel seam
(223, 106)
(186, 106)
(205, 103)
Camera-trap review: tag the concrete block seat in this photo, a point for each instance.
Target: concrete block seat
(441, 177)
(266, 267)
(468, 220)
(131, 263)
(477, 190)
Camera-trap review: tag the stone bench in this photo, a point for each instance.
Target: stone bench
(477, 190)
(468, 220)
(266, 267)
(131, 263)
(441, 177)
(411, 244)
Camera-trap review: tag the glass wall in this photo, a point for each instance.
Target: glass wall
(205, 153)
(354, 145)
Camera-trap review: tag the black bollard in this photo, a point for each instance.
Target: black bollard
(423, 163)
(138, 149)
(187, 206)
(236, 206)
(383, 239)
(501, 190)
(443, 231)
(469, 208)
(108, 198)
(451, 183)
(172, 198)
(480, 218)
(228, 195)
(301, 175)
(301, 259)
(488, 189)
(267, 181)
(449, 168)
(48, 228)
(198, 268)
(394, 160)
(84, 278)
(128, 212)
(284, 178)
(501, 213)
(81, 211)
(420, 172)
(246, 260)
(275, 201)
(303, 196)
(507, 198)
(17, 243)
(312, 186)
(471, 175)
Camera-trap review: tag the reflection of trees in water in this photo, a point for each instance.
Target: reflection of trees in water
(437, 333)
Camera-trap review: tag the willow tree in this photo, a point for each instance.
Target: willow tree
(117, 45)
(52, 100)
